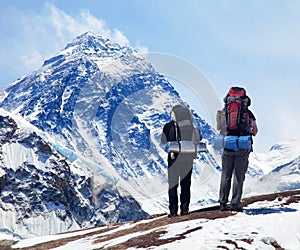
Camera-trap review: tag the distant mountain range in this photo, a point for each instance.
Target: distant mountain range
(80, 143)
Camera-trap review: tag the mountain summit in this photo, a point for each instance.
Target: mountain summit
(101, 107)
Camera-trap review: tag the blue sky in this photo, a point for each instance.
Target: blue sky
(254, 44)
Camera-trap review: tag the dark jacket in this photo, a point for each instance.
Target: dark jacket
(171, 132)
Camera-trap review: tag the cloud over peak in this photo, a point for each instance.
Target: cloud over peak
(35, 36)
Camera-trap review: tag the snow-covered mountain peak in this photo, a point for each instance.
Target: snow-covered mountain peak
(102, 107)
(92, 41)
(91, 47)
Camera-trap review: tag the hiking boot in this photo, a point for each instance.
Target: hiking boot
(236, 208)
(184, 212)
(172, 215)
(223, 207)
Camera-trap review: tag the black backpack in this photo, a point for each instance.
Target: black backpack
(185, 132)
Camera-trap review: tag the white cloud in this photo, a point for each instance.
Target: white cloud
(67, 27)
(142, 49)
(35, 37)
(119, 37)
(33, 60)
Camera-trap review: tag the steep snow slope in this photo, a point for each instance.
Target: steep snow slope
(105, 107)
(43, 193)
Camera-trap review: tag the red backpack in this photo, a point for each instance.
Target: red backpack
(236, 112)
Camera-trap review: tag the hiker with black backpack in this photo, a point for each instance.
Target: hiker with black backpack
(183, 139)
(240, 127)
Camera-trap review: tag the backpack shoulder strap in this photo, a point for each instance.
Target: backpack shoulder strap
(177, 132)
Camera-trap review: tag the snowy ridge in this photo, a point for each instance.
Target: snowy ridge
(281, 167)
(279, 154)
(266, 223)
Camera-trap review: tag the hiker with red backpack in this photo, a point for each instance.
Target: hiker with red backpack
(183, 139)
(240, 127)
